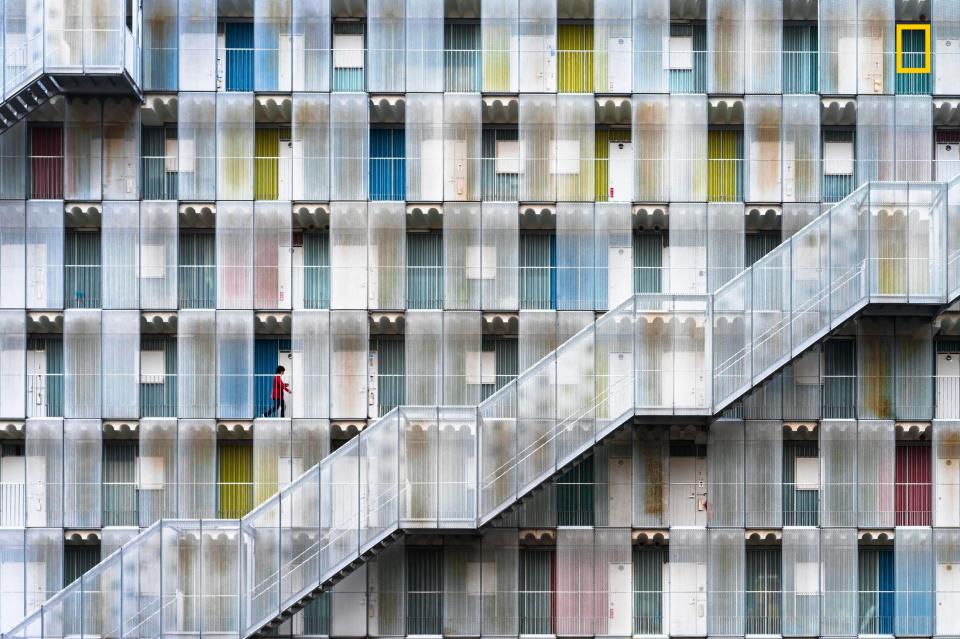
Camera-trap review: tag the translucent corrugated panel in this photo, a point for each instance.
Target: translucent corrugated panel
(538, 147)
(462, 117)
(235, 124)
(197, 144)
(83, 141)
(44, 254)
(160, 52)
(575, 586)
(463, 267)
(946, 550)
(838, 459)
(801, 387)
(120, 354)
(44, 558)
(875, 138)
(196, 482)
(387, 582)
(385, 22)
(311, 138)
(81, 363)
(538, 44)
(196, 364)
(13, 144)
(838, 47)
(462, 576)
(914, 384)
(914, 137)
(44, 482)
(762, 132)
(273, 58)
(424, 357)
(121, 162)
(725, 468)
(725, 250)
(311, 372)
(499, 29)
(235, 255)
(13, 258)
(688, 139)
(688, 249)
(763, 46)
(725, 42)
(801, 581)
(650, 457)
(731, 338)
(273, 463)
(310, 443)
(235, 364)
(499, 241)
(613, 582)
(689, 549)
(946, 473)
(157, 469)
(838, 570)
(801, 149)
(198, 45)
(387, 255)
(424, 45)
(271, 258)
(82, 446)
(348, 255)
(349, 345)
(875, 352)
(13, 343)
(457, 469)
(763, 478)
(613, 254)
(158, 255)
(575, 256)
(424, 146)
(349, 144)
(725, 582)
(612, 50)
(945, 24)
(875, 473)
(914, 566)
(120, 254)
(650, 146)
(311, 45)
(572, 159)
(464, 369)
(875, 46)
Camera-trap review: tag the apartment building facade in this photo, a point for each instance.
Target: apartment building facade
(600, 318)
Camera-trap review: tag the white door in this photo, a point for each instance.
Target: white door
(284, 275)
(620, 172)
(619, 275)
(947, 65)
(948, 385)
(285, 170)
(688, 599)
(295, 373)
(536, 64)
(296, 257)
(285, 359)
(619, 65)
(871, 64)
(619, 493)
(37, 285)
(620, 398)
(688, 491)
(37, 491)
(847, 66)
(948, 598)
(789, 172)
(350, 603)
(37, 384)
(431, 170)
(948, 161)
(619, 591)
(373, 389)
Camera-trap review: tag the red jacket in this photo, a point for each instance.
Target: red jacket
(279, 386)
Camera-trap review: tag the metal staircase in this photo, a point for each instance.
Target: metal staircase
(886, 245)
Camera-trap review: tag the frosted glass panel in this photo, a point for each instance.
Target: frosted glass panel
(235, 255)
(763, 43)
(235, 124)
(688, 135)
(81, 363)
(196, 364)
(387, 255)
(272, 250)
(198, 45)
(385, 21)
(13, 343)
(158, 255)
(349, 143)
(121, 164)
(311, 146)
(235, 364)
(81, 473)
(120, 254)
(499, 236)
(725, 43)
(120, 351)
(311, 45)
(13, 257)
(424, 147)
(462, 119)
(197, 145)
(424, 46)
(651, 144)
(311, 358)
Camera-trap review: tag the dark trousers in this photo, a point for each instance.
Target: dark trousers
(278, 404)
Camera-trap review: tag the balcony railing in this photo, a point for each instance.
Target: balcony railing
(459, 467)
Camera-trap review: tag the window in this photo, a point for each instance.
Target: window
(158, 376)
(500, 363)
(273, 150)
(120, 483)
(158, 148)
(198, 270)
(236, 56)
(317, 614)
(913, 59)
(876, 586)
(838, 164)
(388, 180)
(387, 374)
(537, 612)
(649, 566)
(648, 250)
(839, 379)
(800, 70)
(46, 162)
(687, 58)
(725, 165)
(348, 56)
(81, 273)
(574, 493)
(234, 479)
(575, 58)
(538, 270)
(801, 482)
(501, 164)
(912, 484)
(78, 559)
(759, 244)
(425, 270)
(462, 57)
(762, 591)
(947, 158)
(314, 253)
(45, 377)
(424, 591)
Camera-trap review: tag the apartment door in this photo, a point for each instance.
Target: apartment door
(619, 65)
(948, 160)
(619, 592)
(948, 598)
(688, 490)
(37, 383)
(688, 599)
(285, 155)
(948, 385)
(619, 492)
(620, 170)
